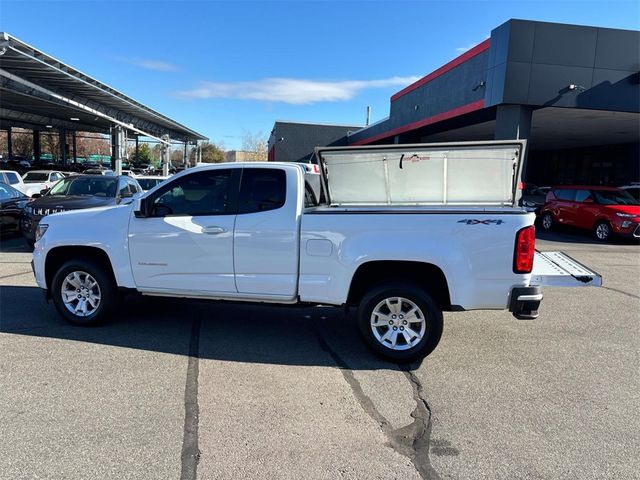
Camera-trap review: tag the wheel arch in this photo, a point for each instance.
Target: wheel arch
(425, 275)
(601, 220)
(57, 256)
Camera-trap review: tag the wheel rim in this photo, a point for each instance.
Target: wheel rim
(602, 231)
(80, 293)
(546, 221)
(398, 323)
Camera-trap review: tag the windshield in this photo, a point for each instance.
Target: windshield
(32, 177)
(91, 186)
(149, 183)
(614, 197)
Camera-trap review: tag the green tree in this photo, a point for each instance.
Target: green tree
(211, 153)
(144, 156)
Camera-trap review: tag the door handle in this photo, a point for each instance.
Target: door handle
(213, 230)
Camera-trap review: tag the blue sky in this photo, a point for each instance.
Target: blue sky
(226, 68)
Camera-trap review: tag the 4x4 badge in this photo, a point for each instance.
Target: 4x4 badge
(473, 221)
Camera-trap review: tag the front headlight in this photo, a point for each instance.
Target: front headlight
(625, 215)
(40, 230)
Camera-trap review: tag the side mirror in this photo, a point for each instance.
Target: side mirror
(36, 195)
(142, 209)
(588, 200)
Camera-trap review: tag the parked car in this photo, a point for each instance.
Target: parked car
(75, 193)
(248, 232)
(633, 189)
(13, 178)
(533, 198)
(12, 203)
(98, 171)
(147, 182)
(38, 180)
(606, 211)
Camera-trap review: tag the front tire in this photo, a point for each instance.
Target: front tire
(400, 322)
(603, 231)
(83, 292)
(547, 221)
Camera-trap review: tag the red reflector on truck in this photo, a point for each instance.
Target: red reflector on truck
(525, 250)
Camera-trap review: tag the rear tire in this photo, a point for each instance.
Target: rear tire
(547, 221)
(83, 292)
(602, 231)
(400, 322)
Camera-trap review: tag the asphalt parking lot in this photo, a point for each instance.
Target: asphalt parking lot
(181, 389)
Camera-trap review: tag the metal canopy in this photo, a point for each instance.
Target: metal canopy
(37, 90)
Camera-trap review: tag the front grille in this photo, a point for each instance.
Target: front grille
(41, 212)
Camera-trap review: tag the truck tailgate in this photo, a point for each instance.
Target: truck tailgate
(557, 269)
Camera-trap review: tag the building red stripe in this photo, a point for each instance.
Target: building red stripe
(469, 54)
(455, 112)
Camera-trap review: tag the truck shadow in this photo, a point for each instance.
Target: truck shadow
(229, 331)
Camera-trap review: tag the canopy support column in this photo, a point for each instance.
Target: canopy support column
(62, 134)
(36, 146)
(9, 144)
(184, 158)
(165, 155)
(119, 144)
(75, 147)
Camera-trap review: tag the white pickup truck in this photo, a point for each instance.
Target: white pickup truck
(403, 232)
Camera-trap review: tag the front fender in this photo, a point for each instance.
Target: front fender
(105, 228)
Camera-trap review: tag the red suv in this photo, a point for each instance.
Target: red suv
(603, 210)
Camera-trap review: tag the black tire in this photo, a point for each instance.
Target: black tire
(432, 315)
(547, 221)
(603, 231)
(107, 289)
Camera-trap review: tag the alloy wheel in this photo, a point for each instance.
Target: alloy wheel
(398, 323)
(80, 293)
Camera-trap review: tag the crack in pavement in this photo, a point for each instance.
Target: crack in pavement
(620, 291)
(411, 441)
(190, 455)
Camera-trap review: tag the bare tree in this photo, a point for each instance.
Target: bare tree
(22, 141)
(255, 144)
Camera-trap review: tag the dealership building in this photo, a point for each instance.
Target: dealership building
(572, 91)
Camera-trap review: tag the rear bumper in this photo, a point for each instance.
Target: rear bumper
(525, 301)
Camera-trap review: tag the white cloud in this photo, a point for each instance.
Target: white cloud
(464, 49)
(470, 46)
(291, 90)
(150, 64)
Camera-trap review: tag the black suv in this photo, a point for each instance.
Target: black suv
(77, 192)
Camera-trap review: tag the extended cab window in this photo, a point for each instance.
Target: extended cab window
(201, 193)
(262, 189)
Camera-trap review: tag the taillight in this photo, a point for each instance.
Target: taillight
(525, 250)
